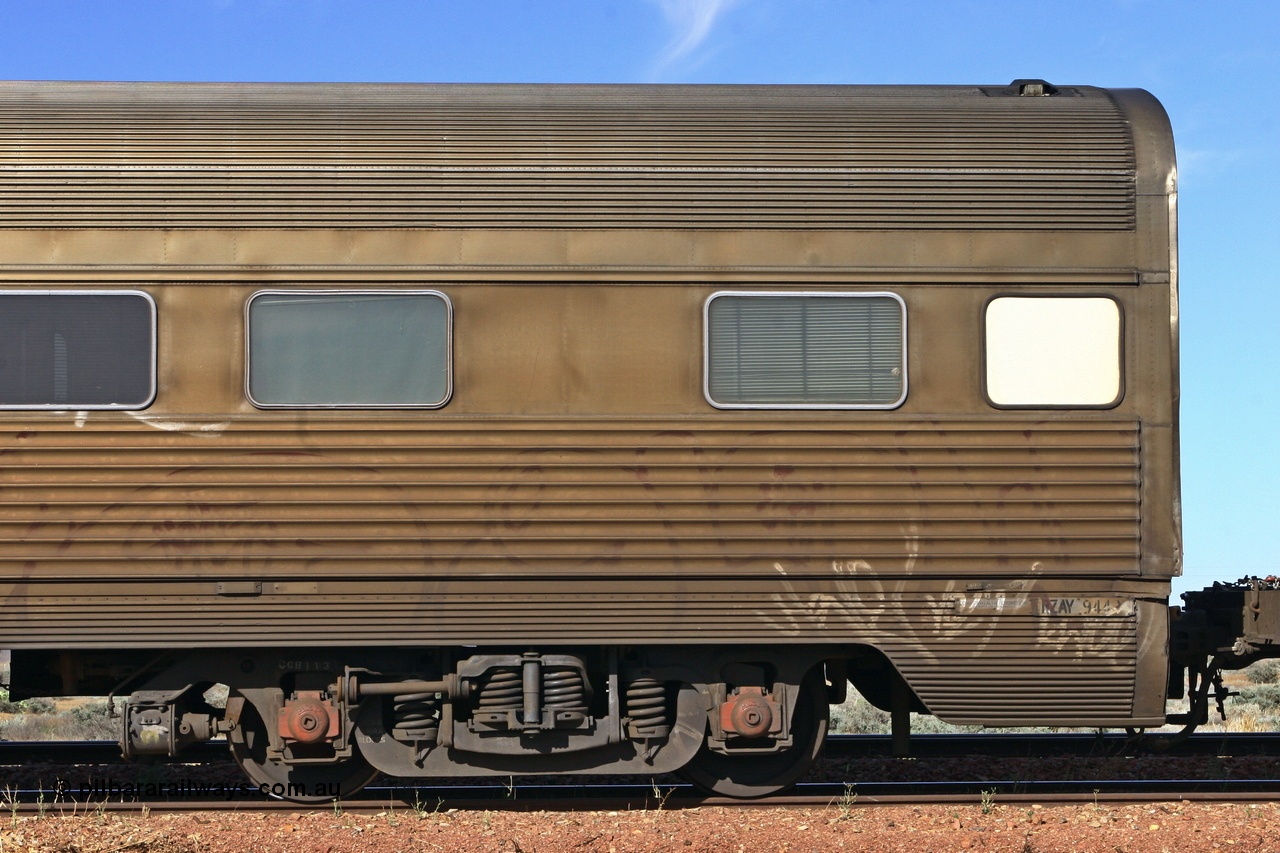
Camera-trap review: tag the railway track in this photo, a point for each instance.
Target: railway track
(631, 798)
(996, 780)
(1034, 745)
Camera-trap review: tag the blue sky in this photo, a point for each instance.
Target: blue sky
(1215, 66)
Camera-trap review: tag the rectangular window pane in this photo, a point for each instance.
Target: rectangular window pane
(349, 350)
(1053, 351)
(77, 350)
(806, 350)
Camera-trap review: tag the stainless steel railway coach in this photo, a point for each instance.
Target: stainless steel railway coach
(465, 430)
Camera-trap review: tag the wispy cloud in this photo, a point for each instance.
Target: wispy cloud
(691, 22)
(1207, 165)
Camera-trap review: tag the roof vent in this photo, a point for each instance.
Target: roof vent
(1031, 88)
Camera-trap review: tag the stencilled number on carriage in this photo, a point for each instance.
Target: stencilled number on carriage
(1043, 605)
(306, 665)
(1086, 607)
(1106, 606)
(1057, 606)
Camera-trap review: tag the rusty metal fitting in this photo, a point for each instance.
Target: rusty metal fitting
(749, 713)
(307, 718)
(451, 687)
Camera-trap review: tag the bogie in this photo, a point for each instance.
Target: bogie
(740, 722)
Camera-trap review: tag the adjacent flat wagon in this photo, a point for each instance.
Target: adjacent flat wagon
(466, 430)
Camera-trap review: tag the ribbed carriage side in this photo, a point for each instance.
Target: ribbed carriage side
(578, 488)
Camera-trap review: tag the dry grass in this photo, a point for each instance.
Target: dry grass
(77, 719)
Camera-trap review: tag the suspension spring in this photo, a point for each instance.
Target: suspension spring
(415, 717)
(647, 709)
(502, 691)
(564, 690)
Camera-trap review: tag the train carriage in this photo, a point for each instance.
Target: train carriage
(466, 430)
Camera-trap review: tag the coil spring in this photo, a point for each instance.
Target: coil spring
(563, 690)
(415, 716)
(647, 707)
(502, 691)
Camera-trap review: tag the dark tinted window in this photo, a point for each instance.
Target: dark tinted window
(76, 350)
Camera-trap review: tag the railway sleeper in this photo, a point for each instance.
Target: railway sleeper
(311, 725)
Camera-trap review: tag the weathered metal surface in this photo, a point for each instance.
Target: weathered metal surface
(497, 610)
(751, 712)
(577, 488)
(309, 718)
(264, 503)
(1024, 669)
(360, 156)
(1238, 623)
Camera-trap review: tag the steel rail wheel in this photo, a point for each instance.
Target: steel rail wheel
(753, 776)
(307, 783)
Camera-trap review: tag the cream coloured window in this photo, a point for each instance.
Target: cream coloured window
(1051, 351)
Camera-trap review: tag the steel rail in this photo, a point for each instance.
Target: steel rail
(424, 801)
(1050, 744)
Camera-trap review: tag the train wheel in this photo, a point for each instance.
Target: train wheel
(311, 783)
(752, 776)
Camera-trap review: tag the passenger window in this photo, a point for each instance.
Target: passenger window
(805, 350)
(77, 349)
(332, 349)
(1045, 351)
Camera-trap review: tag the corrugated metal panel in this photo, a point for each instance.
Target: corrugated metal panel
(537, 499)
(306, 156)
(967, 669)
(1025, 668)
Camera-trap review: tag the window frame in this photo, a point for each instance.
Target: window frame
(448, 347)
(153, 386)
(1121, 334)
(832, 294)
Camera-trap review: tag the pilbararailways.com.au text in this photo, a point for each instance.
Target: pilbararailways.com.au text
(110, 789)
